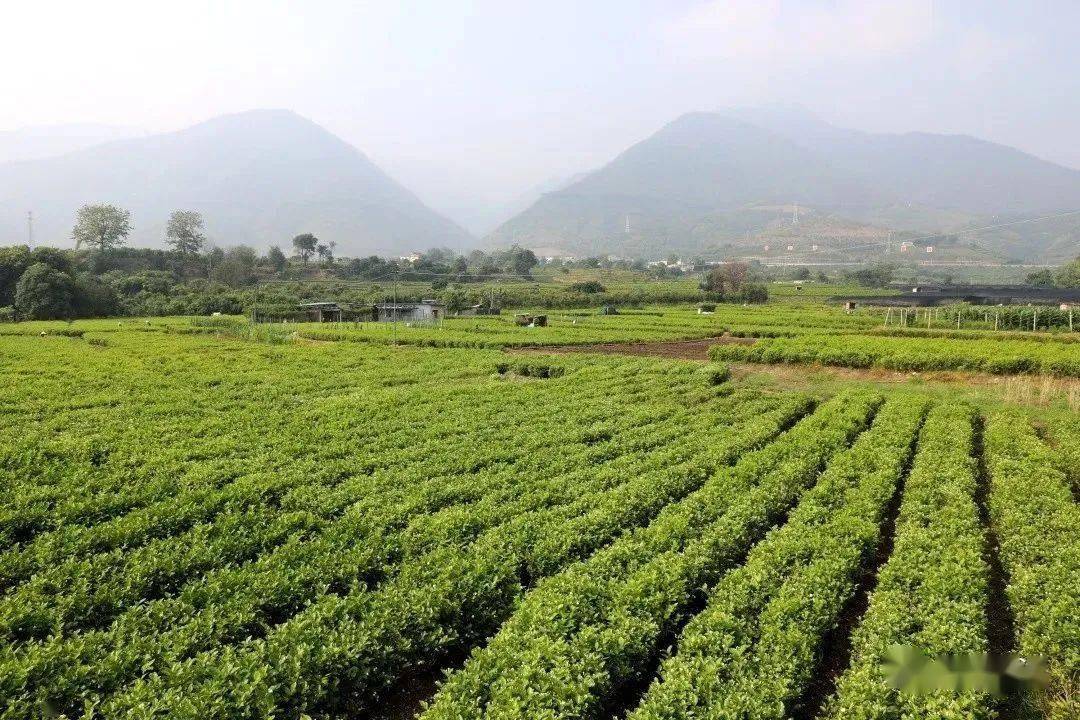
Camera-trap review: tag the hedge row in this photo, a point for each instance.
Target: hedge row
(345, 648)
(751, 653)
(371, 534)
(932, 593)
(911, 354)
(587, 632)
(1037, 522)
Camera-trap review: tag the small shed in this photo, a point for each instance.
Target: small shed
(424, 311)
(320, 311)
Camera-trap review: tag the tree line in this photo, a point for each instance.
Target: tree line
(103, 277)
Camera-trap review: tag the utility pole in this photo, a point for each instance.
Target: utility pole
(30, 228)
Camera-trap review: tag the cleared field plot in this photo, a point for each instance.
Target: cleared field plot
(197, 525)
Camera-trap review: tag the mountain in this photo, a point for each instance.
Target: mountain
(712, 181)
(258, 178)
(43, 141)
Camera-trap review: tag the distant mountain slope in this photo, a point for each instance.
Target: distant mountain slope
(671, 186)
(258, 177)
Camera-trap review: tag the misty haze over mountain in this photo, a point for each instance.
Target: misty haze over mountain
(258, 178)
(703, 180)
(34, 143)
(483, 112)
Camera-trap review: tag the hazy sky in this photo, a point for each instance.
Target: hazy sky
(472, 104)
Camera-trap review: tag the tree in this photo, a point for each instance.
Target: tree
(454, 298)
(101, 226)
(93, 298)
(874, 276)
(728, 278)
(372, 266)
(13, 263)
(185, 232)
(519, 260)
(44, 293)
(1069, 275)
(1041, 278)
(236, 267)
(277, 259)
(325, 251)
(305, 245)
(53, 257)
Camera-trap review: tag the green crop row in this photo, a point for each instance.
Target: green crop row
(228, 615)
(388, 442)
(63, 563)
(1037, 523)
(932, 592)
(584, 633)
(347, 648)
(753, 651)
(131, 571)
(911, 354)
(376, 522)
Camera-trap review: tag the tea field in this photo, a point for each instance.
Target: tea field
(214, 520)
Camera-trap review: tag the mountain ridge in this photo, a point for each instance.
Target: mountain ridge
(259, 177)
(668, 185)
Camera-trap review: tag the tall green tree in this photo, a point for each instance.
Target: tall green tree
(184, 233)
(519, 260)
(325, 251)
(276, 259)
(305, 245)
(101, 226)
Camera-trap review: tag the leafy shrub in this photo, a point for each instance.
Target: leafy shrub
(589, 287)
